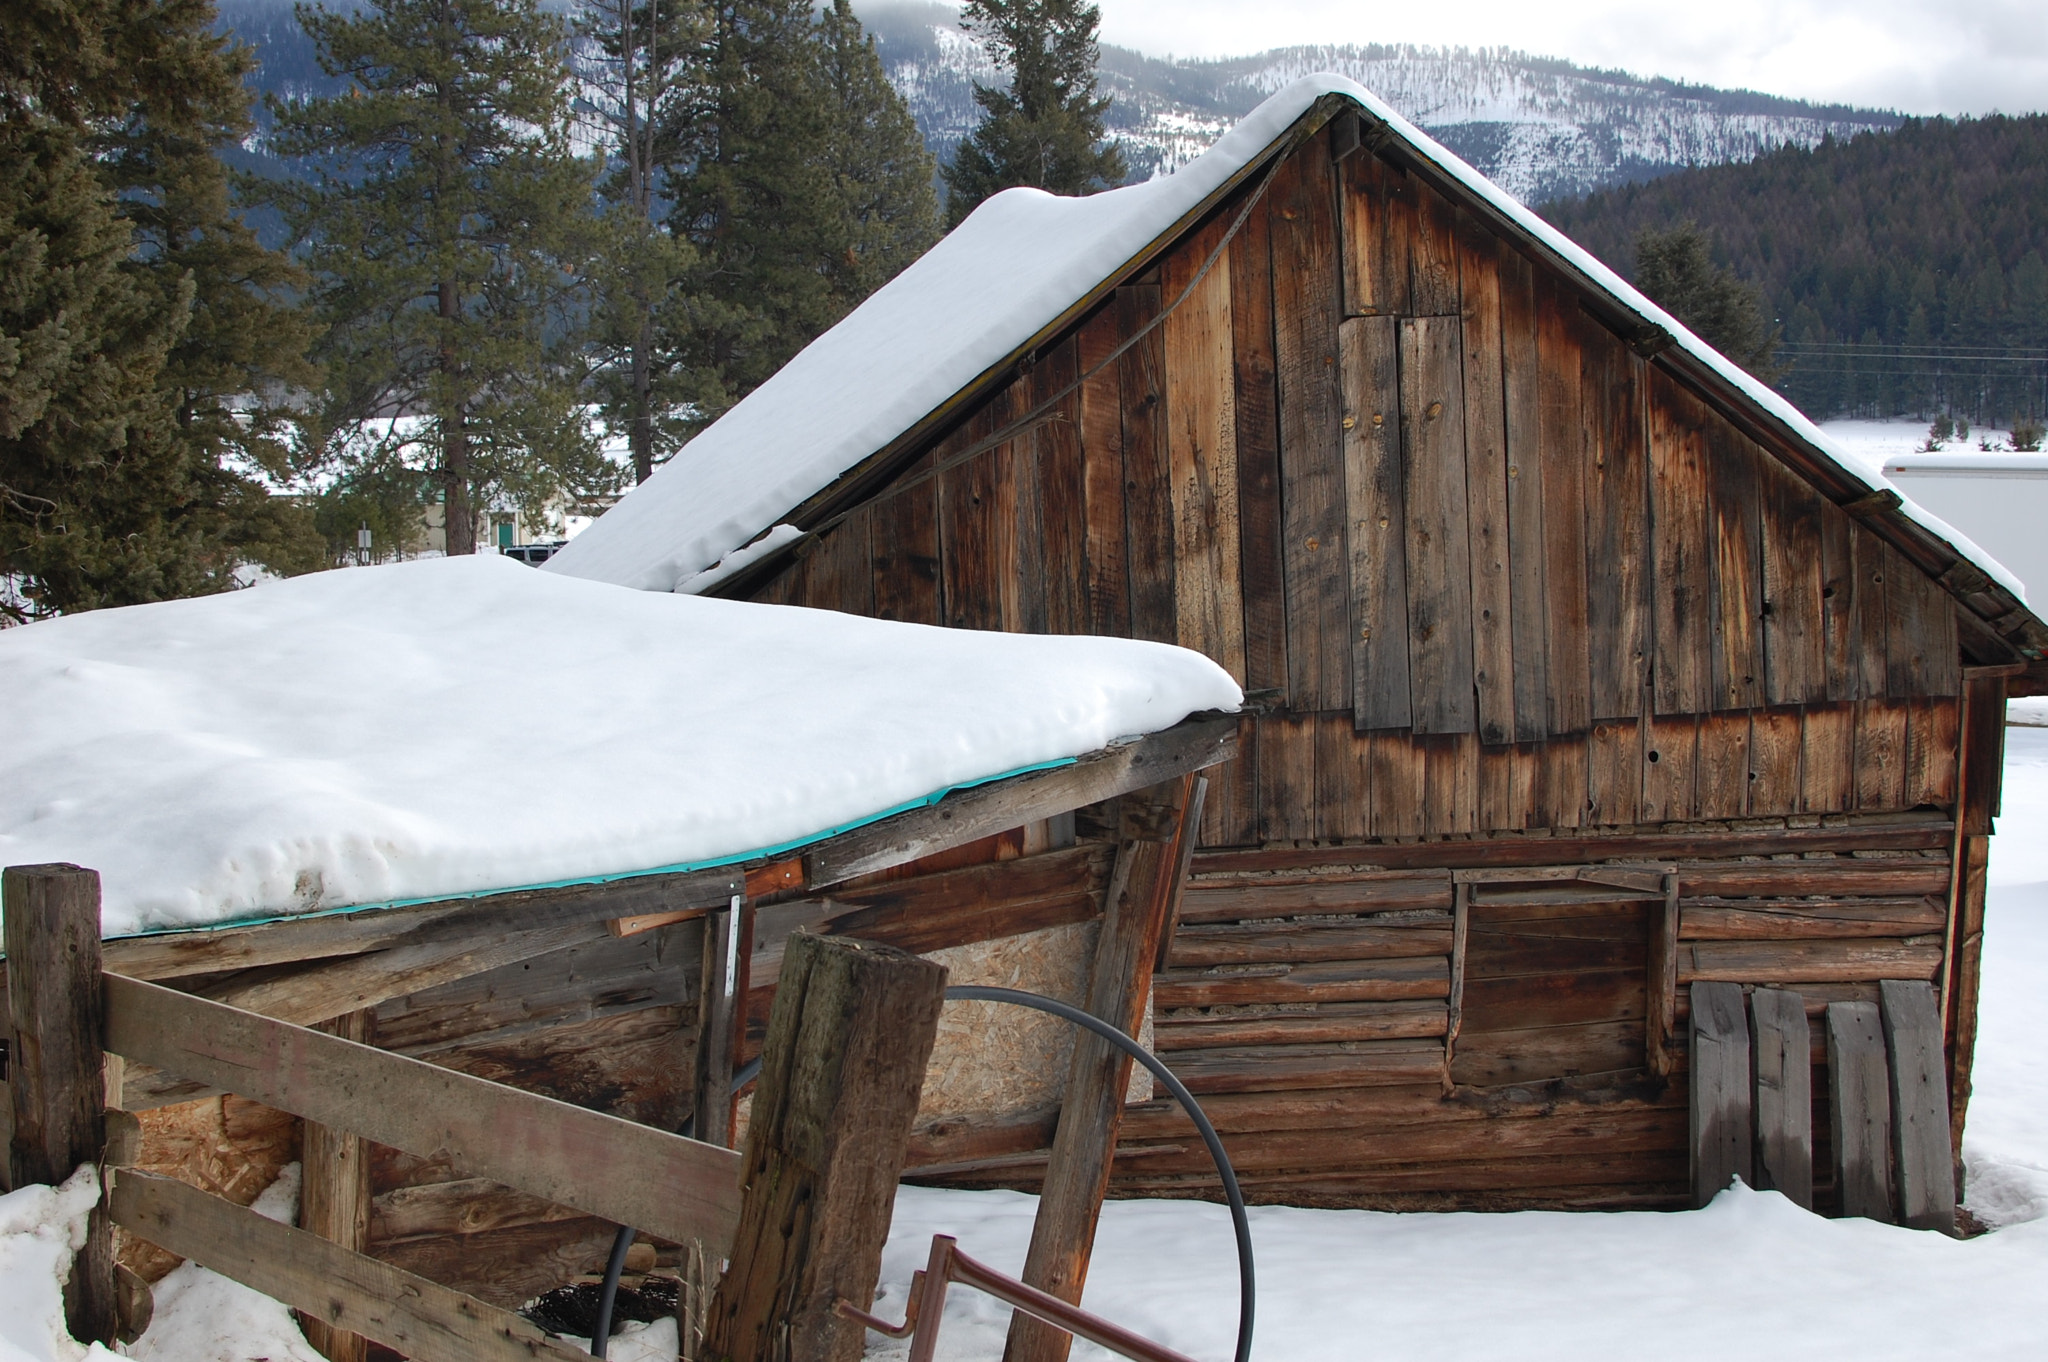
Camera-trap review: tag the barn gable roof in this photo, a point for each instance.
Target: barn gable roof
(1026, 264)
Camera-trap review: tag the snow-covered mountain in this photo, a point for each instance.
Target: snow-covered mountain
(1540, 127)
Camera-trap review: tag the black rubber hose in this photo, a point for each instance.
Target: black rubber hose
(608, 1295)
(1248, 1295)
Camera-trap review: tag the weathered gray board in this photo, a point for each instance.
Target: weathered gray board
(1721, 1146)
(1923, 1154)
(1782, 1050)
(1860, 1099)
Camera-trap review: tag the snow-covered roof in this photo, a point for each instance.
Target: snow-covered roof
(453, 726)
(1015, 265)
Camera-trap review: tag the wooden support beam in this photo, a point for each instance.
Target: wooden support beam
(1923, 1160)
(1860, 1111)
(1782, 1057)
(728, 950)
(630, 1174)
(1721, 1125)
(56, 1076)
(969, 814)
(1143, 896)
(848, 1039)
(423, 1320)
(334, 1200)
(1661, 1000)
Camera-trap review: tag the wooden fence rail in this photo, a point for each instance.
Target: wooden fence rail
(670, 1186)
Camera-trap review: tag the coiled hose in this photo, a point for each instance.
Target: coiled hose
(1240, 1221)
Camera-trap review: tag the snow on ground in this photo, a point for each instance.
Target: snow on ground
(361, 737)
(1870, 443)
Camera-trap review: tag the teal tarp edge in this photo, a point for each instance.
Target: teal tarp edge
(681, 867)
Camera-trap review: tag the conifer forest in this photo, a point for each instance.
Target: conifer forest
(509, 255)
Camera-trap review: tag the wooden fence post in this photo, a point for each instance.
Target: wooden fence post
(1721, 1123)
(1159, 828)
(848, 1039)
(57, 1061)
(334, 1200)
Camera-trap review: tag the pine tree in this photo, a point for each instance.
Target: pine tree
(446, 225)
(640, 59)
(1677, 270)
(120, 258)
(1046, 129)
(881, 172)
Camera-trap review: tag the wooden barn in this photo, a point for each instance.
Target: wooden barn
(1587, 676)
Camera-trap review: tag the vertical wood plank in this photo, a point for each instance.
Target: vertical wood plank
(1505, 792)
(1827, 759)
(1661, 994)
(1486, 487)
(1934, 730)
(1564, 509)
(1614, 772)
(1106, 547)
(841, 567)
(1438, 546)
(905, 543)
(1433, 284)
(973, 541)
(1682, 560)
(720, 1023)
(1795, 625)
(1720, 1096)
(1340, 805)
(1020, 561)
(1201, 444)
(1860, 1111)
(1262, 578)
(1377, 518)
(1774, 774)
(1923, 1157)
(1841, 626)
(334, 1199)
(1910, 614)
(1301, 208)
(1376, 212)
(1617, 525)
(848, 1038)
(1781, 1054)
(1563, 780)
(1062, 493)
(56, 1061)
(1230, 810)
(1965, 975)
(1722, 776)
(1526, 545)
(1880, 756)
(1736, 679)
(1450, 765)
(1397, 784)
(1142, 898)
(1287, 777)
(1867, 553)
(1148, 504)
(1670, 765)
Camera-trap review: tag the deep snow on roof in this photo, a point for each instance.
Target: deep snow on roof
(1015, 264)
(453, 726)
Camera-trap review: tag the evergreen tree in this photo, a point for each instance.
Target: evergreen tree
(120, 254)
(881, 173)
(794, 173)
(640, 57)
(1677, 270)
(447, 223)
(1046, 129)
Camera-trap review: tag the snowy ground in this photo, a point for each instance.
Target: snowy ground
(1870, 443)
(1749, 1274)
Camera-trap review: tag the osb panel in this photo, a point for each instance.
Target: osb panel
(228, 1145)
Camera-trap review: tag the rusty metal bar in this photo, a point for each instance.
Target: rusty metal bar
(947, 1264)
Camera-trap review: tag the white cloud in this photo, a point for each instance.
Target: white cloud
(1919, 56)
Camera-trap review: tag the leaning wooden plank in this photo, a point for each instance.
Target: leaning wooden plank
(1860, 1111)
(1782, 1052)
(1720, 1090)
(420, 1319)
(1923, 1156)
(581, 1158)
(985, 809)
(852, 1028)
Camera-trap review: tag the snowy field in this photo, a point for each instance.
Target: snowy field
(1751, 1274)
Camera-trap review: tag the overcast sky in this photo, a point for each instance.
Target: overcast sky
(1919, 56)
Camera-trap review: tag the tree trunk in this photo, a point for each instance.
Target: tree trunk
(643, 415)
(458, 518)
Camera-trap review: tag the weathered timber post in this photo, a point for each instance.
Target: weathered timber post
(1142, 901)
(722, 1000)
(334, 1202)
(848, 1040)
(57, 1063)
(1781, 1059)
(1721, 1095)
